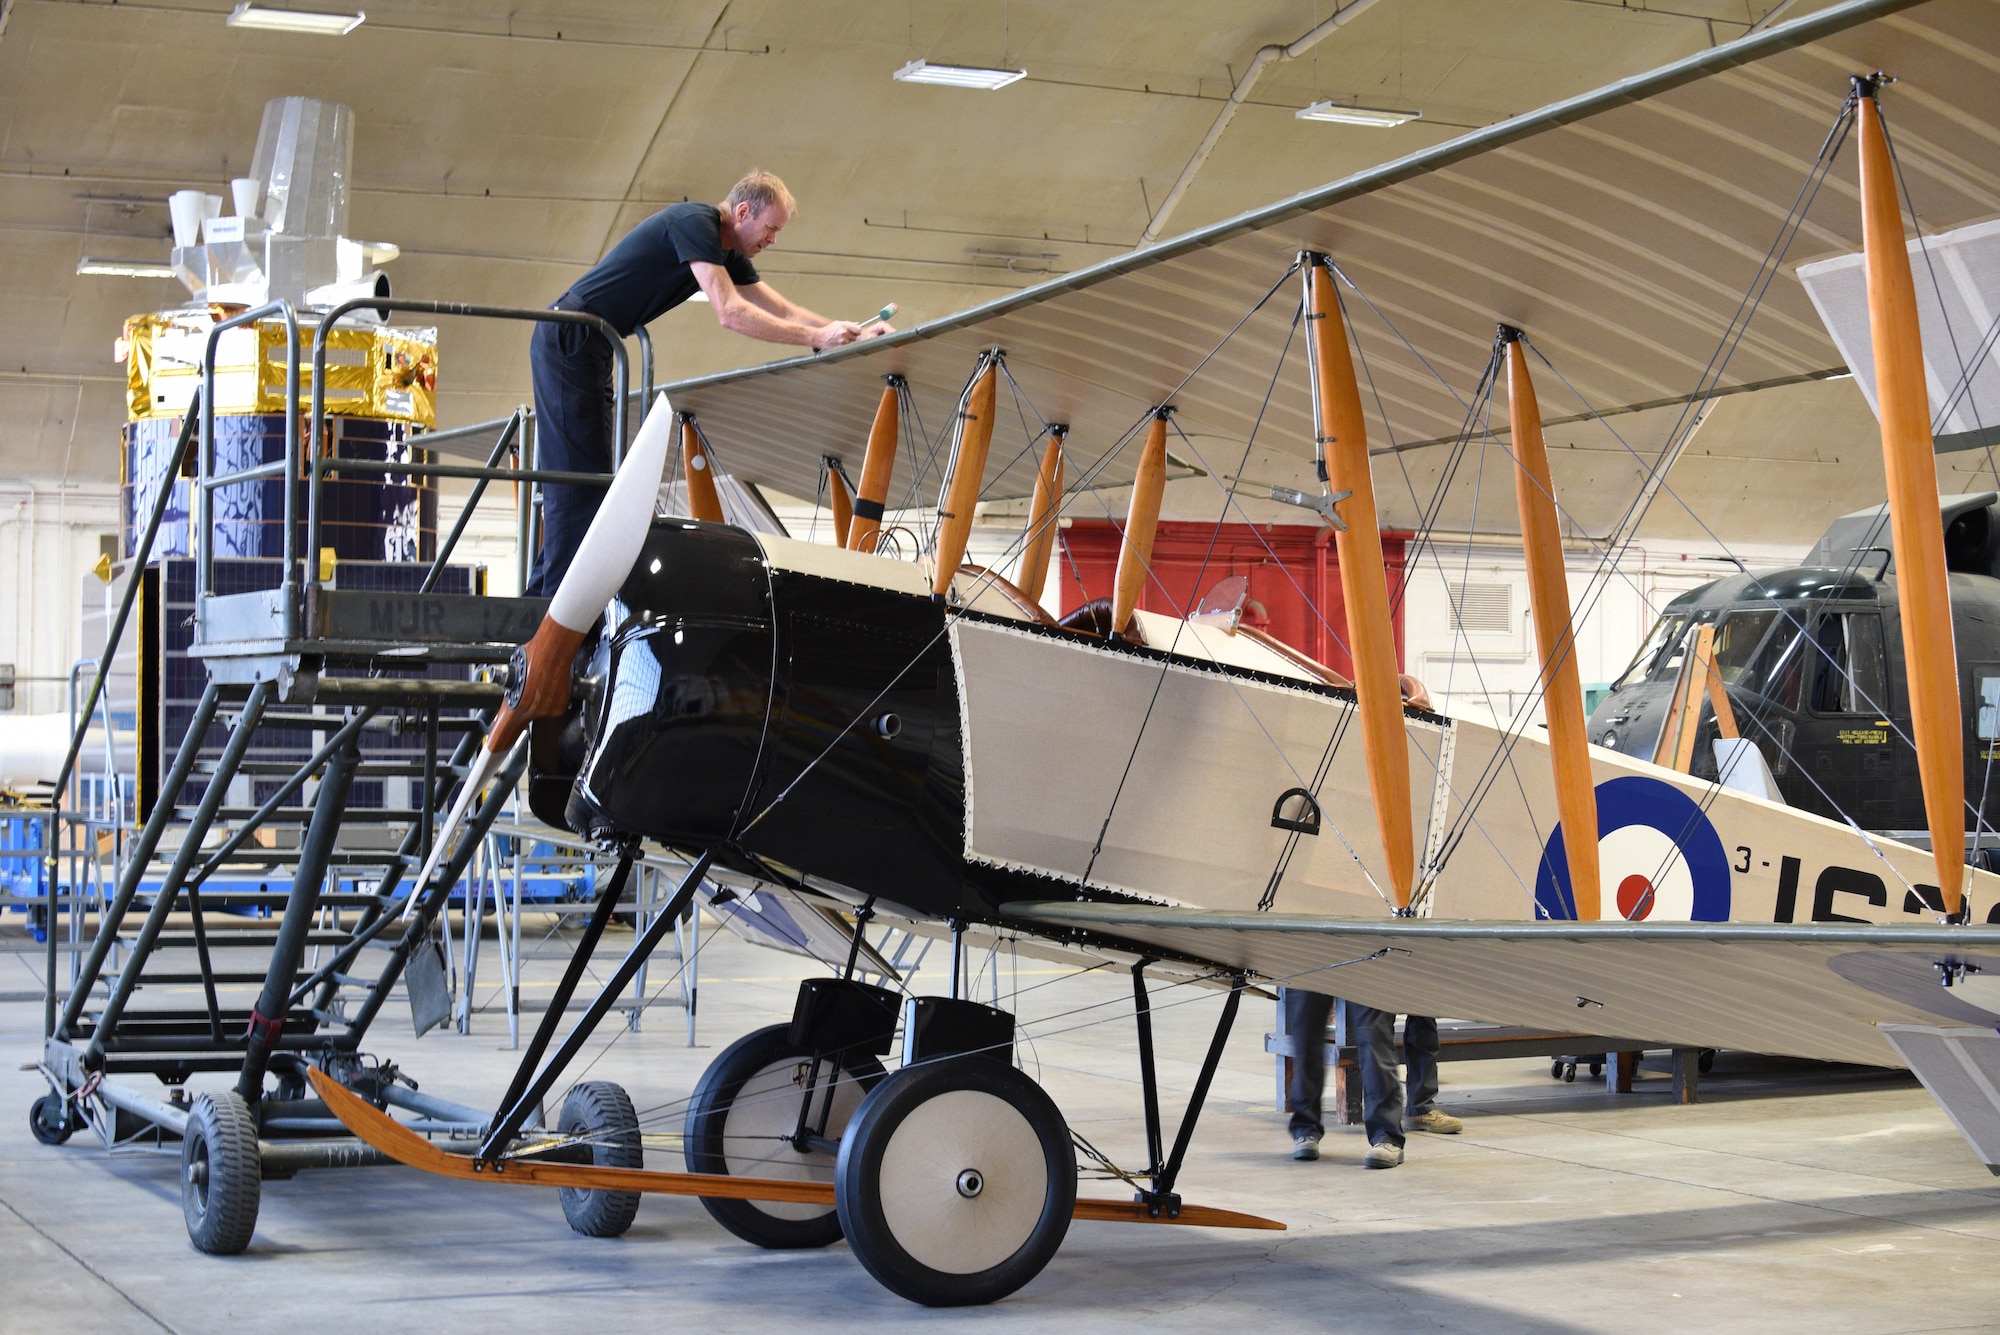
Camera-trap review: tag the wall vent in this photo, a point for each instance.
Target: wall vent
(1482, 609)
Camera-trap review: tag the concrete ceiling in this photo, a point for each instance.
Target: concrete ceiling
(505, 148)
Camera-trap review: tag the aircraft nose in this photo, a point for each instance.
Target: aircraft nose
(675, 744)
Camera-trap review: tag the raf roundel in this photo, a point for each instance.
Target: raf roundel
(1659, 858)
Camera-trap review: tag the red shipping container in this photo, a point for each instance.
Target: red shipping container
(1292, 570)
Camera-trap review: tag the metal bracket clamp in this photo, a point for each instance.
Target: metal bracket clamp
(1320, 505)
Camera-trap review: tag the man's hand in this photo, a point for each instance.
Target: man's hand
(836, 334)
(877, 328)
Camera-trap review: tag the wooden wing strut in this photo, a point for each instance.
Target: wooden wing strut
(968, 470)
(704, 501)
(1555, 633)
(1342, 448)
(1142, 525)
(1033, 572)
(1909, 458)
(877, 467)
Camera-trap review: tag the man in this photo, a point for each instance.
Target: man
(661, 263)
(1373, 1034)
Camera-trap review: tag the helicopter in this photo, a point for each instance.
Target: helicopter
(1811, 657)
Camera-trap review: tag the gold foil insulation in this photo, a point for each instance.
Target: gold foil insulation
(383, 373)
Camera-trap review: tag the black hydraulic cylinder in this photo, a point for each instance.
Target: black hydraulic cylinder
(268, 1019)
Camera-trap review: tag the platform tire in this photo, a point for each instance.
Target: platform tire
(50, 1119)
(603, 1112)
(1705, 1061)
(957, 1181)
(725, 1129)
(222, 1182)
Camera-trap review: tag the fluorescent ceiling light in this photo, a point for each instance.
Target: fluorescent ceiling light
(1346, 115)
(957, 76)
(247, 15)
(124, 268)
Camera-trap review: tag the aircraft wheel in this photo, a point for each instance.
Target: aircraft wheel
(956, 1182)
(740, 1122)
(221, 1179)
(602, 1114)
(49, 1119)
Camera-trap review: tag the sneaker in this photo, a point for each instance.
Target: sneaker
(1387, 1154)
(1305, 1146)
(1435, 1122)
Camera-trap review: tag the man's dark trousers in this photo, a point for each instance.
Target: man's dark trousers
(574, 412)
(1305, 1025)
(1373, 1034)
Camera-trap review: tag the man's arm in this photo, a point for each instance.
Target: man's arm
(737, 310)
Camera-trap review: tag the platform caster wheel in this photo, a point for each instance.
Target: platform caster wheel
(221, 1179)
(1556, 1069)
(956, 1181)
(601, 1114)
(49, 1118)
(741, 1121)
(1596, 1070)
(1706, 1061)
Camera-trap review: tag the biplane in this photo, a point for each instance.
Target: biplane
(882, 729)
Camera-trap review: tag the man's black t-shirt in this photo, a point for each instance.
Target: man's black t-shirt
(647, 274)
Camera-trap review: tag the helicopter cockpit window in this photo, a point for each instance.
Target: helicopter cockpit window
(1737, 636)
(1851, 675)
(1780, 666)
(1662, 644)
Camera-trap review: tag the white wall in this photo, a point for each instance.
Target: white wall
(49, 540)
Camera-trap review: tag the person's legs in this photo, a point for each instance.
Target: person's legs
(1374, 1036)
(1420, 1056)
(1305, 1023)
(1420, 1049)
(573, 414)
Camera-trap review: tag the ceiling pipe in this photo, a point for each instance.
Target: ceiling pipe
(1265, 56)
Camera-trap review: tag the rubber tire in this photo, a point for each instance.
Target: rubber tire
(858, 1186)
(64, 1126)
(603, 1111)
(707, 1130)
(221, 1179)
(1705, 1062)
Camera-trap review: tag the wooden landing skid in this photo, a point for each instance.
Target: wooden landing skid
(405, 1146)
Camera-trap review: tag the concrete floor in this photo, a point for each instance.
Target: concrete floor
(1823, 1198)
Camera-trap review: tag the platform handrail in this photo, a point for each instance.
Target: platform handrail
(114, 636)
(318, 467)
(204, 461)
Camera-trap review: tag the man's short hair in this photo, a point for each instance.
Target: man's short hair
(760, 189)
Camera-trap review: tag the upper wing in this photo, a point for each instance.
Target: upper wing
(1621, 229)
